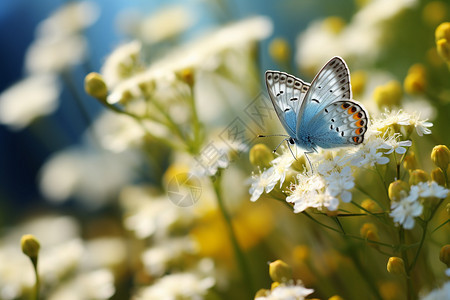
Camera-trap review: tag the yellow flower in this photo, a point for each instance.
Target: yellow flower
(280, 271)
(444, 255)
(95, 86)
(279, 50)
(396, 266)
(440, 155)
(438, 176)
(409, 162)
(388, 95)
(390, 290)
(417, 176)
(30, 246)
(334, 24)
(442, 35)
(397, 190)
(415, 82)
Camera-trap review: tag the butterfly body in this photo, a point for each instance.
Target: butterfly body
(320, 114)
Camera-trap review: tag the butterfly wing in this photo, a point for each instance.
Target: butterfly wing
(327, 117)
(287, 94)
(341, 123)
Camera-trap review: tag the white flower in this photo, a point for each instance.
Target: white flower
(122, 63)
(404, 211)
(98, 284)
(98, 253)
(442, 293)
(420, 125)
(151, 215)
(365, 33)
(338, 183)
(35, 96)
(92, 175)
(266, 181)
(55, 54)
(405, 119)
(429, 189)
(310, 192)
(205, 53)
(117, 132)
(368, 155)
(281, 165)
(165, 24)
(394, 144)
(177, 286)
(157, 258)
(288, 292)
(70, 18)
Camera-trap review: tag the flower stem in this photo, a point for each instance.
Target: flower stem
(34, 261)
(237, 250)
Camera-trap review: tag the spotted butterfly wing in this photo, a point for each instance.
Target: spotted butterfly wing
(328, 118)
(287, 94)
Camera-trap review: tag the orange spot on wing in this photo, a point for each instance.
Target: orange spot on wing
(351, 110)
(357, 116)
(358, 131)
(355, 139)
(345, 105)
(360, 123)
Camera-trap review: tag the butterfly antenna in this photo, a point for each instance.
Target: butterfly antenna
(275, 150)
(261, 136)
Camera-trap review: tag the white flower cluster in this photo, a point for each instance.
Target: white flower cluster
(333, 177)
(59, 45)
(69, 267)
(287, 292)
(404, 210)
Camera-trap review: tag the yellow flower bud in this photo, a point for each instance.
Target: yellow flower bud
(443, 49)
(261, 293)
(187, 75)
(443, 31)
(369, 205)
(444, 255)
(359, 80)
(334, 24)
(260, 155)
(388, 95)
(390, 290)
(300, 253)
(409, 162)
(95, 86)
(434, 12)
(336, 297)
(438, 176)
(442, 35)
(440, 155)
(280, 271)
(397, 190)
(274, 285)
(417, 176)
(396, 266)
(416, 81)
(279, 50)
(366, 228)
(30, 246)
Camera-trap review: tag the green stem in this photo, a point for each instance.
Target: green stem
(237, 250)
(440, 226)
(408, 267)
(34, 261)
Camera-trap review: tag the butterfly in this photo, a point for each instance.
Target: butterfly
(320, 114)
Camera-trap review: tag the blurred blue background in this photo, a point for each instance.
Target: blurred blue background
(22, 154)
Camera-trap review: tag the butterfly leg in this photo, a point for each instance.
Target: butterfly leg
(289, 146)
(309, 161)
